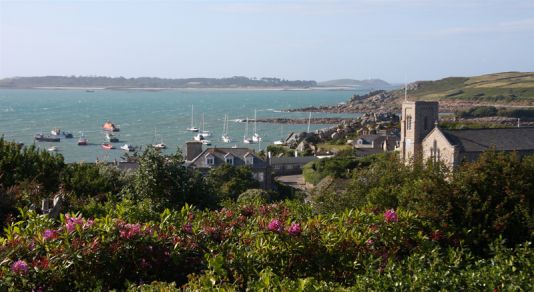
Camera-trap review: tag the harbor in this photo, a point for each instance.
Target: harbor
(149, 118)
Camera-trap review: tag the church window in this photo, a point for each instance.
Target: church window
(408, 122)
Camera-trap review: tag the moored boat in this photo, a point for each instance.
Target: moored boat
(192, 128)
(128, 147)
(56, 131)
(108, 146)
(109, 126)
(43, 138)
(52, 149)
(159, 146)
(111, 138)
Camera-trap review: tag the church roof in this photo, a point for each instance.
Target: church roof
(478, 140)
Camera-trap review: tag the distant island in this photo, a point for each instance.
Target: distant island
(150, 82)
(506, 89)
(367, 83)
(153, 83)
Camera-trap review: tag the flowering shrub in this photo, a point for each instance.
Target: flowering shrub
(236, 248)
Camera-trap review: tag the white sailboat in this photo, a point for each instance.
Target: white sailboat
(246, 139)
(280, 142)
(256, 137)
(192, 128)
(204, 132)
(159, 145)
(225, 138)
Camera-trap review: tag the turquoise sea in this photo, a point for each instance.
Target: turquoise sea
(139, 114)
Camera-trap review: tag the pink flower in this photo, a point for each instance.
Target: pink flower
(70, 226)
(391, 216)
(187, 228)
(49, 234)
(19, 267)
(88, 223)
(294, 229)
(275, 226)
(130, 230)
(369, 241)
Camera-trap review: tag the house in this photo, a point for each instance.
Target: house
(289, 165)
(421, 137)
(206, 159)
(374, 143)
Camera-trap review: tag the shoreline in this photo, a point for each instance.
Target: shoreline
(190, 88)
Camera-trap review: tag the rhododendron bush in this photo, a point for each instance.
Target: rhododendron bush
(235, 247)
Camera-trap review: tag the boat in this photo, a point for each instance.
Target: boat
(108, 146)
(56, 131)
(89, 90)
(109, 126)
(225, 138)
(204, 132)
(128, 147)
(206, 142)
(82, 141)
(256, 137)
(279, 142)
(247, 140)
(198, 137)
(159, 145)
(43, 138)
(111, 138)
(67, 135)
(192, 128)
(52, 148)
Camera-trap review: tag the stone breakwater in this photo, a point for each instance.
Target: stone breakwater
(304, 121)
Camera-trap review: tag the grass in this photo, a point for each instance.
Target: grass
(334, 147)
(499, 88)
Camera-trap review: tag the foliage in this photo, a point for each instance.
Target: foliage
(277, 246)
(478, 202)
(87, 180)
(256, 196)
(28, 164)
(490, 111)
(339, 167)
(228, 181)
(167, 182)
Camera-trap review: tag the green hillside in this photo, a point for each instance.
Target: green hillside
(506, 87)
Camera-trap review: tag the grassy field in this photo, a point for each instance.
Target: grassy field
(507, 87)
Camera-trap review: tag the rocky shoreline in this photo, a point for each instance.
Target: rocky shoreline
(314, 121)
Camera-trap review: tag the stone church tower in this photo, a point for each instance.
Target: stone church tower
(418, 119)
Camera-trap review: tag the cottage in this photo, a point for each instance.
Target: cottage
(209, 158)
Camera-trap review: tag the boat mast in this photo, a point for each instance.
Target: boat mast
(192, 116)
(255, 122)
(309, 121)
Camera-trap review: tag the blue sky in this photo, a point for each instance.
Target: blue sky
(395, 40)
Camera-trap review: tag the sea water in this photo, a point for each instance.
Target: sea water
(147, 117)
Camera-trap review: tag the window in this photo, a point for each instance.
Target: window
(210, 160)
(434, 152)
(230, 160)
(408, 122)
(249, 160)
(260, 177)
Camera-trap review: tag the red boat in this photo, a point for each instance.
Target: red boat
(108, 146)
(109, 126)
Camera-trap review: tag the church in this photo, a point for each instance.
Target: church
(421, 137)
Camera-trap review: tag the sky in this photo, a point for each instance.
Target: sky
(395, 40)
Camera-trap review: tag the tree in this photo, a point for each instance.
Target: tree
(167, 181)
(228, 181)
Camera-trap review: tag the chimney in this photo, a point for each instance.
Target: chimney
(192, 150)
